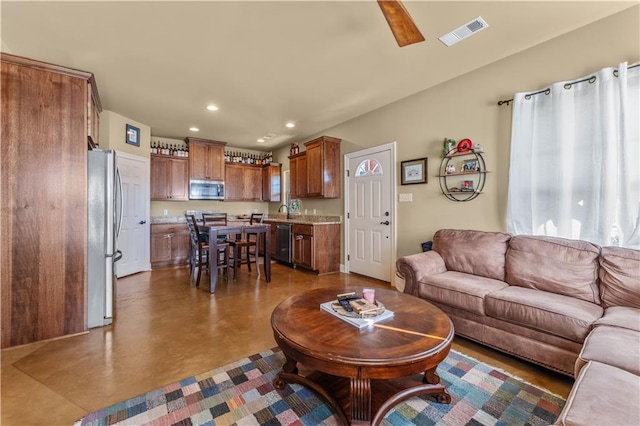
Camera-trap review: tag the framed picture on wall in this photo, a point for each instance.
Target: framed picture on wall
(413, 171)
(133, 135)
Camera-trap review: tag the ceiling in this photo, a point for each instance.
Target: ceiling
(265, 63)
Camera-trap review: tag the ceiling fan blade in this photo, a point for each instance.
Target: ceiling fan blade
(402, 26)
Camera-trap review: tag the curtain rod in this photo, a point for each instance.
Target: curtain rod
(546, 91)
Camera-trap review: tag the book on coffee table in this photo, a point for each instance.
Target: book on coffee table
(356, 320)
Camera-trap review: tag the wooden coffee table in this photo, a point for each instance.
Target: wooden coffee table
(362, 373)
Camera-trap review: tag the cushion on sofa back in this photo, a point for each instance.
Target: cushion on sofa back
(556, 265)
(473, 252)
(620, 277)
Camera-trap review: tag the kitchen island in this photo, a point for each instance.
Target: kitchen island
(306, 241)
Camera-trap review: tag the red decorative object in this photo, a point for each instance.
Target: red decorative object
(464, 145)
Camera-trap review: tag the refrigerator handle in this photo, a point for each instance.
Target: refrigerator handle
(121, 206)
(118, 256)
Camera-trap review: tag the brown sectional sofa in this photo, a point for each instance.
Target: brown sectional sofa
(569, 305)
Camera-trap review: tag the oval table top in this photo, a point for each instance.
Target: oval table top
(418, 331)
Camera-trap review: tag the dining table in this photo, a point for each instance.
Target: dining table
(216, 231)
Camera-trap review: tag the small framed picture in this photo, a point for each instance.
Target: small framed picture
(133, 135)
(413, 171)
(469, 165)
(467, 186)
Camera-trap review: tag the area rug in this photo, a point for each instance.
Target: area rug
(242, 393)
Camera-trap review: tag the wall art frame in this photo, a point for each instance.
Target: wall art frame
(413, 171)
(132, 135)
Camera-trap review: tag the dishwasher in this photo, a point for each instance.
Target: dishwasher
(283, 243)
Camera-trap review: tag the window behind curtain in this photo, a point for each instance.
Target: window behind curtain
(575, 160)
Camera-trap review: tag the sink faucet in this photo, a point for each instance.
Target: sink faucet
(287, 208)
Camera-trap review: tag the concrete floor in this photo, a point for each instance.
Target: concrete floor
(166, 330)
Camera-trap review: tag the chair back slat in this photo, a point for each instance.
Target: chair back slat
(213, 219)
(256, 218)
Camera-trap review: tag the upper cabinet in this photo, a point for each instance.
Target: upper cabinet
(206, 159)
(298, 175)
(243, 182)
(271, 182)
(169, 178)
(94, 108)
(315, 173)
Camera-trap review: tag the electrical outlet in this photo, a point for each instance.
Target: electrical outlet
(166, 212)
(405, 198)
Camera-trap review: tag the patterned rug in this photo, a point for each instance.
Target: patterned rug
(242, 393)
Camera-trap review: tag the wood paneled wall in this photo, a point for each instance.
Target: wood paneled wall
(43, 227)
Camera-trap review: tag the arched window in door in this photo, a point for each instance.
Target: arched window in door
(369, 167)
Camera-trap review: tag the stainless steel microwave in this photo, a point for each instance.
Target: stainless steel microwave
(206, 190)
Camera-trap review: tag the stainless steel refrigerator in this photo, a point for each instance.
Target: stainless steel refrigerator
(104, 192)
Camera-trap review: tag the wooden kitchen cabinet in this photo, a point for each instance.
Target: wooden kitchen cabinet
(271, 182)
(315, 173)
(94, 108)
(317, 247)
(243, 182)
(170, 244)
(206, 159)
(298, 175)
(43, 181)
(323, 167)
(169, 178)
(273, 227)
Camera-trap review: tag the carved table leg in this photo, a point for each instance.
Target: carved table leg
(360, 399)
(289, 367)
(431, 377)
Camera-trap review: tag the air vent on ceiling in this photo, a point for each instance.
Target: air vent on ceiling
(464, 31)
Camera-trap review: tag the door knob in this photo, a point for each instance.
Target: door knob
(386, 222)
(142, 222)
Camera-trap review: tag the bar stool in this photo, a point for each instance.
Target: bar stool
(199, 256)
(247, 247)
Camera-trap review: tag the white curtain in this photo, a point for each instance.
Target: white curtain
(575, 160)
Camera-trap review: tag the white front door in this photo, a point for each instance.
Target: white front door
(370, 212)
(133, 240)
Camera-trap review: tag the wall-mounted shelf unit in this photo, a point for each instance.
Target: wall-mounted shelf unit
(462, 175)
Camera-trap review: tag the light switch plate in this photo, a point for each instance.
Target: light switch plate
(405, 198)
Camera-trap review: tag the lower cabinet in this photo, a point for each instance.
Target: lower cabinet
(317, 247)
(169, 244)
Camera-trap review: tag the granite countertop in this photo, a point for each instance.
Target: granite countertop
(295, 218)
(157, 220)
(304, 219)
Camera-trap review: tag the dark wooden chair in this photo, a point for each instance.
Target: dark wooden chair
(214, 219)
(246, 247)
(199, 257)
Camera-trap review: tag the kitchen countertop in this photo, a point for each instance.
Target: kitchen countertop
(304, 219)
(299, 219)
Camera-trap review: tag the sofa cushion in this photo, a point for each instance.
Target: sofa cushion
(472, 252)
(619, 347)
(556, 265)
(619, 316)
(620, 277)
(549, 312)
(602, 395)
(459, 290)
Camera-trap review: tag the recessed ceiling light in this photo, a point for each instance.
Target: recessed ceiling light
(290, 125)
(194, 129)
(260, 140)
(212, 107)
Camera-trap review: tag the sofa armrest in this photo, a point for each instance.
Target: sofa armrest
(413, 268)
